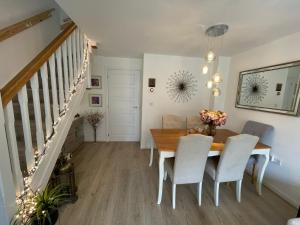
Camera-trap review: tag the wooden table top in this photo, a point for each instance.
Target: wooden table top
(167, 139)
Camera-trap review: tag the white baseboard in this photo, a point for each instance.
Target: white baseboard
(280, 193)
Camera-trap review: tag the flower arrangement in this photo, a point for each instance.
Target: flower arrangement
(94, 118)
(212, 119)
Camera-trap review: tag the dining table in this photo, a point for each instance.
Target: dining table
(166, 141)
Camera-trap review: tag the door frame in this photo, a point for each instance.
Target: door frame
(107, 127)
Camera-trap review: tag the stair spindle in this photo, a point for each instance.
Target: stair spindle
(78, 53)
(66, 74)
(60, 80)
(29, 151)
(54, 88)
(70, 63)
(74, 57)
(37, 113)
(13, 147)
(48, 118)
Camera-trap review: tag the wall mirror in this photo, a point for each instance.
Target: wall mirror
(272, 89)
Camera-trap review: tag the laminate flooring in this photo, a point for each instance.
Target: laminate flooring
(117, 187)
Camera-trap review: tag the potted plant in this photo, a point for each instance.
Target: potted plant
(41, 207)
(94, 118)
(212, 119)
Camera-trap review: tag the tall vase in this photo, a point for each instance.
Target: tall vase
(95, 133)
(210, 130)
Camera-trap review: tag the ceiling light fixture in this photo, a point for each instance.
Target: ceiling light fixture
(214, 35)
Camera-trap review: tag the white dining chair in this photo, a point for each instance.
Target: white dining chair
(189, 163)
(261, 130)
(194, 122)
(294, 221)
(232, 163)
(171, 121)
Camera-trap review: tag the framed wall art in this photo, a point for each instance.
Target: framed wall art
(96, 100)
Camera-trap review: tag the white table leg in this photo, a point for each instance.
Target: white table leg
(151, 151)
(261, 173)
(161, 178)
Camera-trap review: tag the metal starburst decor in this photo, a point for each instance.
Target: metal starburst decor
(181, 86)
(255, 88)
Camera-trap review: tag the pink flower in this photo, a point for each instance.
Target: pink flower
(217, 118)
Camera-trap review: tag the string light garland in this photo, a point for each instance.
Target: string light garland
(26, 200)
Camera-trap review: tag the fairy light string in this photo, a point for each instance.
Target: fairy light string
(27, 200)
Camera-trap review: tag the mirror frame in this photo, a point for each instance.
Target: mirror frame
(296, 109)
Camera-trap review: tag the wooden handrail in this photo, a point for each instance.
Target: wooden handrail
(15, 85)
(16, 28)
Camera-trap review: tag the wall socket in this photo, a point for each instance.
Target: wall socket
(275, 159)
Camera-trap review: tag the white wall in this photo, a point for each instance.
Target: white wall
(100, 66)
(19, 50)
(158, 103)
(284, 179)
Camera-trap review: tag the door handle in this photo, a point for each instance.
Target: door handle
(135, 107)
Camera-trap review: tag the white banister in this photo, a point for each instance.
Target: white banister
(23, 101)
(74, 56)
(70, 63)
(65, 66)
(37, 113)
(13, 147)
(53, 88)
(60, 80)
(48, 118)
(7, 189)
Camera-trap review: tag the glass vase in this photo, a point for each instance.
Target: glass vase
(210, 130)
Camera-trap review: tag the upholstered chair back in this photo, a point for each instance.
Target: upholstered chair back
(190, 158)
(235, 156)
(173, 121)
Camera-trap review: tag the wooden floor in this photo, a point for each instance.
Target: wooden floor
(116, 187)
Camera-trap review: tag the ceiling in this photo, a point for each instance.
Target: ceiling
(129, 28)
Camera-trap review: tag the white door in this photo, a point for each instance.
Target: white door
(123, 105)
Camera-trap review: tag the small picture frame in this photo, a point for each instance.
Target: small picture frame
(96, 82)
(96, 100)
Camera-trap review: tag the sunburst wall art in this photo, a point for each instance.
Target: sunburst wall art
(254, 88)
(181, 86)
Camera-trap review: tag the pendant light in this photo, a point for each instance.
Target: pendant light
(214, 35)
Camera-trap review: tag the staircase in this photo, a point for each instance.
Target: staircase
(37, 108)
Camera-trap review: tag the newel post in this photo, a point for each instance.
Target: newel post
(7, 188)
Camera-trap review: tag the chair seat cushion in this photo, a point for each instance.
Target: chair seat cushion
(211, 166)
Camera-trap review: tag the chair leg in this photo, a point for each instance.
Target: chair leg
(253, 178)
(174, 195)
(199, 193)
(238, 190)
(216, 193)
(165, 175)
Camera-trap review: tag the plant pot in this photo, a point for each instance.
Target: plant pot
(210, 130)
(53, 215)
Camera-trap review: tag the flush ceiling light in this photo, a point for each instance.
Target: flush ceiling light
(214, 35)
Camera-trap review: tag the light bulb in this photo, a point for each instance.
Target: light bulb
(216, 92)
(217, 78)
(209, 84)
(210, 56)
(205, 69)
